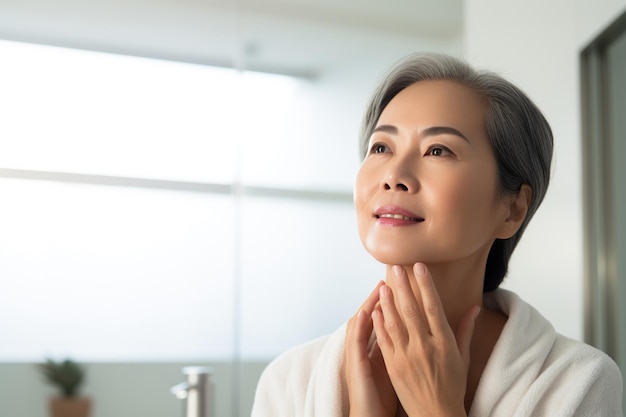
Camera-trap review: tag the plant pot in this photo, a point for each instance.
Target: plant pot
(70, 407)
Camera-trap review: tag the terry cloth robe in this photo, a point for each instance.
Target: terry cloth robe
(532, 371)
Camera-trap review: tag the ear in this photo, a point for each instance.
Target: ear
(516, 210)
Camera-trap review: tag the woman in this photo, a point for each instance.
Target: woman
(455, 164)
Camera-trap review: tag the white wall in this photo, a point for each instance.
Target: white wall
(536, 44)
(593, 16)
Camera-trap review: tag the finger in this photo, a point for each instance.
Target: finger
(465, 332)
(383, 341)
(358, 369)
(375, 354)
(371, 300)
(361, 333)
(410, 309)
(433, 309)
(355, 328)
(392, 321)
(356, 356)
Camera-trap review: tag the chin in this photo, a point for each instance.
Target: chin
(394, 250)
(394, 256)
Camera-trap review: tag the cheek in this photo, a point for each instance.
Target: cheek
(361, 191)
(480, 207)
(483, 194)
(464, 199)
(364, 189)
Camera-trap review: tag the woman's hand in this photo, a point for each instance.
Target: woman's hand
(369, 389)
(426, 362)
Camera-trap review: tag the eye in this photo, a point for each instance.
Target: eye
(379, 148)
(439, 150)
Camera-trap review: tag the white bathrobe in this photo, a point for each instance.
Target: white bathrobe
(532, 371)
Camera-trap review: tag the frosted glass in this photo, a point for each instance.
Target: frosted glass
(304, 272)
(276, 139)
(306, 137)
(113, 273)
(96, 113)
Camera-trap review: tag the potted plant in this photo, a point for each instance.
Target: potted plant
(67, 376)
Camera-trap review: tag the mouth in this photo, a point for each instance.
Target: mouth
(395, 215)
(398, 217)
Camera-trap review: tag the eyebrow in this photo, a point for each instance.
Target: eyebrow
(429, 131)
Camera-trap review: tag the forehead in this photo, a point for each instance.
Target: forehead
(437, 101)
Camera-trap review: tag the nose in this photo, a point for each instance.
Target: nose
(401, 177)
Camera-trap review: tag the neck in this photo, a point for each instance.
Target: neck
(460, 286)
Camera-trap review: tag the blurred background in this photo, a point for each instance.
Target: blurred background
(176, 179)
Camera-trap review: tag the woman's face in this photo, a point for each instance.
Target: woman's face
(427, 190)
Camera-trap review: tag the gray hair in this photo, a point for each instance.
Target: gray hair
(519, 134)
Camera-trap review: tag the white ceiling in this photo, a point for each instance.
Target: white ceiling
(292, 36)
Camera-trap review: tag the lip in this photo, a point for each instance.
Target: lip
(392, 215)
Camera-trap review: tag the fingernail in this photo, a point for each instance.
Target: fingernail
(375, 314)
(419, 269)
(397, 271)
(384, 291)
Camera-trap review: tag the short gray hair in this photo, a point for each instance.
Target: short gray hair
(519, 134)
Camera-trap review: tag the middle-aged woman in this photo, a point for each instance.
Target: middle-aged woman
(456, 162)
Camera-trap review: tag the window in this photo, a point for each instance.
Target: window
(156, 210)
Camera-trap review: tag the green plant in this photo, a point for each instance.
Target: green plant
(67, 376)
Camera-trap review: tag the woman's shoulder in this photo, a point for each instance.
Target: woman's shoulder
(302, 358)
(537, 368)
(283, 385)
(580, 360)
(579, 378)
(527, 330)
